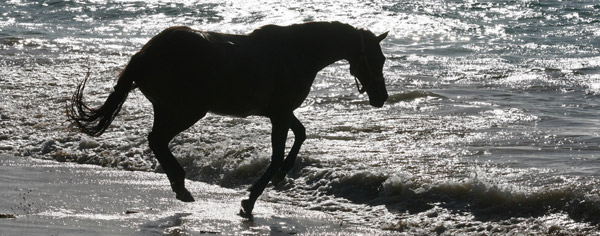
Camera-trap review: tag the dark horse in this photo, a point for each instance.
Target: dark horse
(186, 73)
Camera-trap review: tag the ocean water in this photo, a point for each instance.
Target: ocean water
(491, 126)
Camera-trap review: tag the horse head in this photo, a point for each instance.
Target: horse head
(367, 67)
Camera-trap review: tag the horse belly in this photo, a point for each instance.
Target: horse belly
(240, 101)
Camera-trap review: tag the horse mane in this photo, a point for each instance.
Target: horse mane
(274, 31)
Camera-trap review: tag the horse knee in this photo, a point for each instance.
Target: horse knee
(157, 142)
(299, 132)
(276, 161)
(301, 135)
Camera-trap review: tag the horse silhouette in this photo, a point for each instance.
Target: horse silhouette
(186, 73)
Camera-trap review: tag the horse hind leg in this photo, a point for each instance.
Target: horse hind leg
(166, 126)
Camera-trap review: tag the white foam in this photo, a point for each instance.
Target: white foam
(88, 143)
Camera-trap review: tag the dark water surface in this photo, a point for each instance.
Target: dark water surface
(491, 126)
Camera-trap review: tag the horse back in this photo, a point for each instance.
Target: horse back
(223, 73)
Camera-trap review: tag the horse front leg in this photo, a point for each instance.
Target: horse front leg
(281, 125)
(288, 164)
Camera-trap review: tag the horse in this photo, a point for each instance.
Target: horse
(186, 73)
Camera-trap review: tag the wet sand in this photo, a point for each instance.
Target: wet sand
(51, 198)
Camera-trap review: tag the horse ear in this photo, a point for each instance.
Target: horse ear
(382, 36)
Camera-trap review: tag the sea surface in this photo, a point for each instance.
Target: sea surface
(491, 126)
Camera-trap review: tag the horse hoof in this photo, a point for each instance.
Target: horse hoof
(247, 208)
(185, 196)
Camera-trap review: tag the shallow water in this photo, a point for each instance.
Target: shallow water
(51, 198)
(491, 125)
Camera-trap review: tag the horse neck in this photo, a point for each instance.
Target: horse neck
(322, 44)
(330, 45)
(312, 46)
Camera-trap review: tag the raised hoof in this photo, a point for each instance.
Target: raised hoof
(185, 196)
(247, 208)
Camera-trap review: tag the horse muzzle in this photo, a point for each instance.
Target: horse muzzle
(377, 96)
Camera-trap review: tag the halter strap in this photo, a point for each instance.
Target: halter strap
(360, 90)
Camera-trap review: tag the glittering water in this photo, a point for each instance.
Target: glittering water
(491, 125)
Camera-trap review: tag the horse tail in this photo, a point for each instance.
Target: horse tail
(94, 121)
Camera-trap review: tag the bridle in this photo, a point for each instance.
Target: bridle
(360, 60)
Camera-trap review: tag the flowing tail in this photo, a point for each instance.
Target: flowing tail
(94, 121)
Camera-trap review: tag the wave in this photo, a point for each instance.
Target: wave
(405, 97)
(401, 193)
(235, 165)
(400, 97)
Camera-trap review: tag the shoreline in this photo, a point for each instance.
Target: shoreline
(53, 198)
